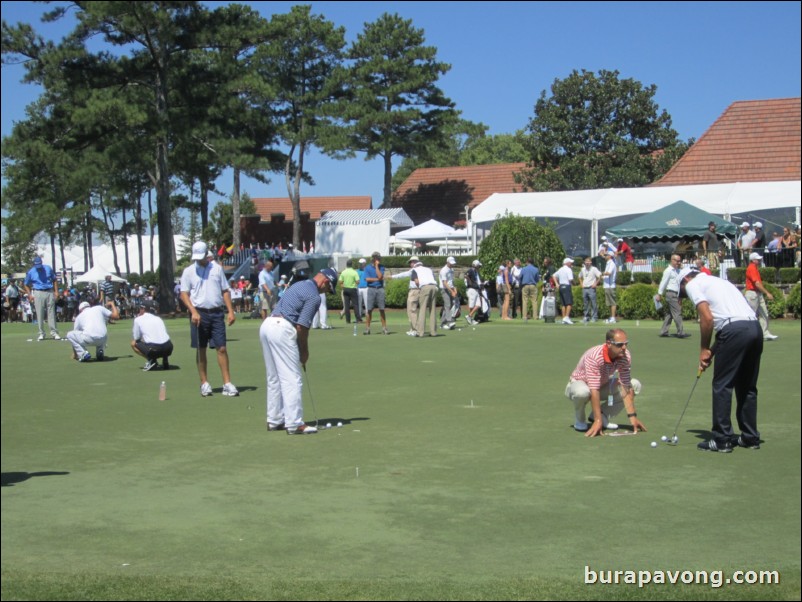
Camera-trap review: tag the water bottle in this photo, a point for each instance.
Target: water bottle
(163, 391)
(354, 329)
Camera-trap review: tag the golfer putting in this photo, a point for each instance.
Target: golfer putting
(595, 376)
(285, 345)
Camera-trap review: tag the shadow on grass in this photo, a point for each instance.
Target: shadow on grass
(12, 478)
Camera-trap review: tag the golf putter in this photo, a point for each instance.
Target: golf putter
(312, 399)
(673, 439)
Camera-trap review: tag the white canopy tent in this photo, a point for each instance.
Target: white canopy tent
(98, 274)
(430, 230)
(358, 232)
(725, 200)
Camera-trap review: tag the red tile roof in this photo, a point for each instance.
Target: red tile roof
(752, 141)
(441, 193)
(315, 206)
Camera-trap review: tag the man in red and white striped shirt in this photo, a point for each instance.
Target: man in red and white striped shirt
(604, 370)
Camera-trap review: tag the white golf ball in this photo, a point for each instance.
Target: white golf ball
(663, 438)
(654, 443)
(328, 425)
(339, 424)
(674, 439)
(474, 328)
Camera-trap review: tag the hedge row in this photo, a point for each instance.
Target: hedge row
(635, 302)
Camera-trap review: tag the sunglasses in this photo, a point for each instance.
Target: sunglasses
(619, 345)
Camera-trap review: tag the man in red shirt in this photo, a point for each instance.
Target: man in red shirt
(629, 260)
(604, 369)
(756, 293)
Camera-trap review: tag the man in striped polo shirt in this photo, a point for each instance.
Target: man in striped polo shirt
(604, 370)
(285, 345)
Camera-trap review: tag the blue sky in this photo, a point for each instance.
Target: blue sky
(702, 56)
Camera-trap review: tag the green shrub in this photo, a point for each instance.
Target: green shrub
(767, 275)
(636, 302)
(789, 275)
(736, 275)
(644, 278)
(794, 300)
(396, 292)
(688, 310)
(777, 306)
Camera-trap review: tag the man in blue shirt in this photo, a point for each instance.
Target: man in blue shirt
(374, 276)
(42, 287)
(285, 345)
(530, 276)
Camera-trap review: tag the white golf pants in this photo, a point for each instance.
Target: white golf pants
(579, 393)
(283, 366)
(80, 341)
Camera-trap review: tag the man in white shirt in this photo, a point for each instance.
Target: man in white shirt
(563, 278)
(205, 293)
(669, 288)
(449, 294)
(608, 283)
(423, 278)
(150, 338)
(267, 289)
(590, 276)
(91, 330)
(413, 296)
(744, 244)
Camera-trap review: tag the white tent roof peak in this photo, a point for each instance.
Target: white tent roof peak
(427, 230)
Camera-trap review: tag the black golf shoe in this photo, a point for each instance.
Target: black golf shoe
(724, 448)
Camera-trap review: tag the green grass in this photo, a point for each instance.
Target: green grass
(471, 485)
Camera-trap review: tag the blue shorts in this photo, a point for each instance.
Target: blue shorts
(212, 329)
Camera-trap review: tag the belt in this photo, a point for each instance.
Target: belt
(209, 310)
(729, 321)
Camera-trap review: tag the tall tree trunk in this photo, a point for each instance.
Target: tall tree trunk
(388, 179)
(89, 260)
(150, 226)
(125, 244)
(139, 232)
(109, 222)
(204, 204)
(294, 192)
(236, 234)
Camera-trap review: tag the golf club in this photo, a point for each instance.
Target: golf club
(312, 399)
(673, 439)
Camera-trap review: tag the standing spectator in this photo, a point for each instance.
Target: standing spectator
(236, 295)
(107, 290)
(205, 292)
(595, 373)
(702, 267)
(625, 251)
(267, 289)
(363, 287)
(423, 278)
(90, 330)
(515, 285)
(563, 278)
(284, 337)
(669, 289)
(530, 276)
(547, 272)
(448, 292)
(12, 297)
(42, 288)
(247, 294)
(282, 286)
(711, 245)
(605, 248)
(473, 287)
(413, 296)
(321, 319)
(503, 291)
(349, 280)
(150, 338)
(759, 243)
(590, 277)
(374, 277)
(772, 255)
(789, 247)
(608, 283)
(756, 293)
(744, 244)
(177, 295)
(738, 348)
(70, 306)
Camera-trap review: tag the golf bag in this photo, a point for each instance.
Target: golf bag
(483, 313)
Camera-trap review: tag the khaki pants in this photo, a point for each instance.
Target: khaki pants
(579, 393)
(413, 307)
(428, 304)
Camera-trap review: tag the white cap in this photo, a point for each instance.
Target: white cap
(502, 267)
(83, 306)
(476, 263)
(620, 240)
(363, 260)
(284, 276)
(753, 256)
(199, 251)
(414, 258)
(758, 224)
(604, 238)
(451, 261)
(567, 260)
(745, 225)
(685, 271)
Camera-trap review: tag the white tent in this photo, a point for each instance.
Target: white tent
(427, 231)
(358, 232)
(725, 200)
(98, 274)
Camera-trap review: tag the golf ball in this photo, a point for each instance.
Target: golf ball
(654, 443)
(339, 424)
(674, 439)
(663, 438)
(328, 425)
